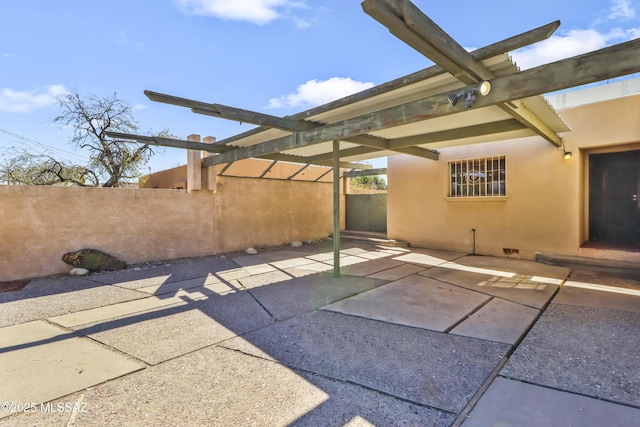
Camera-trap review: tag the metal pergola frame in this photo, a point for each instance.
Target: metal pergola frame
(407, 22)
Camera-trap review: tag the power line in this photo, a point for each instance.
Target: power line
(42, 147)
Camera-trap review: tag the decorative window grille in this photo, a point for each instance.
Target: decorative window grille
(480, 177)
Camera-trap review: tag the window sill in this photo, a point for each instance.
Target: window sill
(477, 199)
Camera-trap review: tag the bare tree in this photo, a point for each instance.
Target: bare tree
(91, 117)
(29, 169)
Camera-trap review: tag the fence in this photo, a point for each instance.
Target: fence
(40, 223)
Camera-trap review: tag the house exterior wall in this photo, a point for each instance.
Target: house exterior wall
(547, 196)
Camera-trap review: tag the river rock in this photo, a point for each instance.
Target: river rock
(78, 272)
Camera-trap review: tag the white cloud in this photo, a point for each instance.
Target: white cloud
(318, 92)
(572, 43)
(256, 11)
(633, 33)
(139, 107)
(26, 101)
(622, 9)
(579, 41)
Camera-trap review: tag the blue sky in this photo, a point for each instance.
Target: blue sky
(273, 56)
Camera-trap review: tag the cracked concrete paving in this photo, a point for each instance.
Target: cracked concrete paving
(406, 336)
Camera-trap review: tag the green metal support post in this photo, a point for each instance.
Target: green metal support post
(336, 208)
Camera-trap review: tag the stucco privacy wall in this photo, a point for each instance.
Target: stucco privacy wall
(40, 223)
(545, 208)
(266, 212)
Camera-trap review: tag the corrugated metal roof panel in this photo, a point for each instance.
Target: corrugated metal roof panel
(444, 83)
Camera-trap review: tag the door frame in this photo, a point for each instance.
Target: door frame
(584, 202)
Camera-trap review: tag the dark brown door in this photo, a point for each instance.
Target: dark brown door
(614, 205)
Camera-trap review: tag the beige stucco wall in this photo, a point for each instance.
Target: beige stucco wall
(263, 213)
(40, 223)
(545, 210)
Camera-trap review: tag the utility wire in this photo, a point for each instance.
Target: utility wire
(42, 147)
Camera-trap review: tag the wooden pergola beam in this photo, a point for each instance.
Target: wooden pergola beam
(231, 113)
(272, 121)
(212, 148)
(266, 171)
(296, 173)
(349, 152)
(169, 142)
(411, 25)
(371, 172)
(603, 64)
(458, 133)
(516, 42)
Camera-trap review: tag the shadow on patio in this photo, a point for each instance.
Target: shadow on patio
(406, 335)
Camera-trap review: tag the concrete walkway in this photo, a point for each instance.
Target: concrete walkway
(406, 337)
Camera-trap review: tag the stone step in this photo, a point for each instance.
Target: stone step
(627, 269)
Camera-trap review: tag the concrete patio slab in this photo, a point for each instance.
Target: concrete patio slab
(413, 301)
(259, 269)
(264, 279)
(421, 259)
(517, 266)
(41, 362)
(324, 256)
(397, 273)
(584, 350)
(292, 262)
(231, 274)
(526, 290)
(131, 307)
(599, 296)
(20, 307)
(283, 255)
(180, 330)
(152, 280)
(177, 270)
(393, 251)
(347, 260)
(443, 371)
(498, 320)
(447, 255)
(249, 260)
(354, 251)
(268, 257)
(513, 403)
(305, 270)
(211, 281)
(374, 255)
(219, 387)
(368, 267)
(298, 295)
(261, 352)
(298, 272)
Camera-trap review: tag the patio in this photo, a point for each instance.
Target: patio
(405, 337)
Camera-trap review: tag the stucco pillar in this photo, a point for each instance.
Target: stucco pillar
(194, 166)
